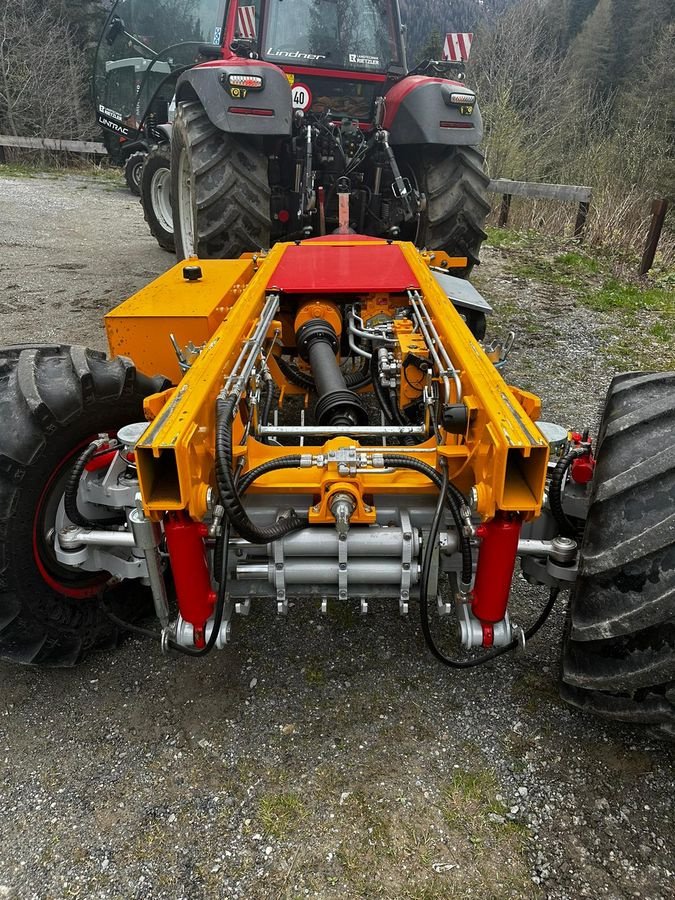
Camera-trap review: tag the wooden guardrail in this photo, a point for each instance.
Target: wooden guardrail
(567, 193)
(38, 143)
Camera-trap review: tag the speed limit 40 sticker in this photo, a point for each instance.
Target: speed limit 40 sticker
(302, 97)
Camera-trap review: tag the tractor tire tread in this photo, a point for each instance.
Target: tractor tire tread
(232, 193)
(159, 155)
(455, 184)
(619, 644)
(43, 391)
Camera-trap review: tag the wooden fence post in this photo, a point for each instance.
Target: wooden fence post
(580, 223)
(659, 209)
(504, 211)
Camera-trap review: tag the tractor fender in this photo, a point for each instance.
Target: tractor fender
(419, 111)
(164, 132)
(226, 105)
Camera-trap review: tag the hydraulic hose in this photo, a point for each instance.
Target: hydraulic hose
(354, 380)
(294, 375)
(70, 495)
(229, 496)
(556, 490)
(399, 418)
(128, 626)
(267, 402)
(283, 462)
(424, 601)
(449, 493)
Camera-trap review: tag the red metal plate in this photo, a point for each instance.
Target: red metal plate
(315, 267)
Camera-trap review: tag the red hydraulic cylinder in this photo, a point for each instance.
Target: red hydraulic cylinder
(187, 554)
(496, 562)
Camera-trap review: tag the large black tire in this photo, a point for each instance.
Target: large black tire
(619, 645)
(156, 196)
(133, 171)
(220, 189)
(455, 183)
(53, 400)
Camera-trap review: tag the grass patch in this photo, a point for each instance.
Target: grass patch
(471, 794)
(513, 239)
(572, 269)
(620, 295)
(470, 803)
(21, 170)
(575, 261)
(662, 332)
(280, 814)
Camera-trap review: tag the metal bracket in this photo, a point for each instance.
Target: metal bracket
(343, 568)
(406, 561)
(279, 578)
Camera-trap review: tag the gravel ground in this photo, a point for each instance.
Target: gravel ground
(318, 756)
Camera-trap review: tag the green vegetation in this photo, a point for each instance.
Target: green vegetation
(636, 316)
(281, 814)
(469, 800)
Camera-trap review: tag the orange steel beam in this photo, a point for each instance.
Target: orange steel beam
(502, 454)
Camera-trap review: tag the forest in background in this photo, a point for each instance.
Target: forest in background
(572, 91)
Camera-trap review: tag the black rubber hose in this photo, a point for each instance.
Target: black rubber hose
(555, 490)
(229, 495)
(128, 626)
(266, 408)
(354, 380)
(424, 601)
(267, 403)
(358, 378)
(224, 542)
(449, 492)
(399, 418)
(70, 495)
(294, 375)
(283, 462)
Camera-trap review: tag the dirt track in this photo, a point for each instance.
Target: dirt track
(321, 757)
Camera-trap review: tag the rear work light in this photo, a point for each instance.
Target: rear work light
(252, 82)
(463, 99)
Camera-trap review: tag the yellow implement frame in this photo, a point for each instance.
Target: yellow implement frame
(502, 453)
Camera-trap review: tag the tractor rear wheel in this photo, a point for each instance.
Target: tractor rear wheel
(619, 645)
(220, 189)
(53, 401)
(156, 196)
(133, 170)
(455, 183)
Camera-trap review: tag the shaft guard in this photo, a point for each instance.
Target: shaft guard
(417, 113)
(205, 83)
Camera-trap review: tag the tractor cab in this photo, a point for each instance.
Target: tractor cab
(339, 51)
(143, 49)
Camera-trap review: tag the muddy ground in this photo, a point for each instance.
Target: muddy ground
(324, 757)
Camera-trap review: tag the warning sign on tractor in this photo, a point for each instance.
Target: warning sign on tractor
(302, 97)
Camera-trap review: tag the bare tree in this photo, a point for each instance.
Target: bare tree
(43, 75)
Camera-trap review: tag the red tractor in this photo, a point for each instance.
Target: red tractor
(296, 102)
